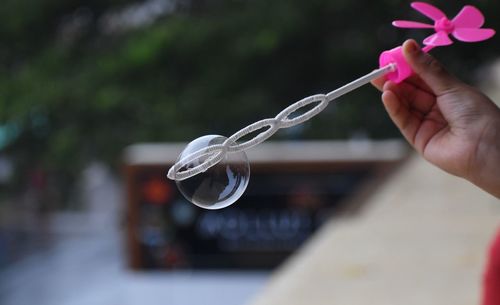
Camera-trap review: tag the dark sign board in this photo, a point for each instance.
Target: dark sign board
(283, 205)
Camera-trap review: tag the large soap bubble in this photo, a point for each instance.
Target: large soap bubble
(220, 185)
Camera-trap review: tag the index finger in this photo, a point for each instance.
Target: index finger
(379, 82)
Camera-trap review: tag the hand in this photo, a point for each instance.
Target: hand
(451, 124)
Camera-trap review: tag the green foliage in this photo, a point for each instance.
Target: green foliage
(75, 91)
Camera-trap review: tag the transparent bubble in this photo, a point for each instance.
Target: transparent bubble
(219, 186)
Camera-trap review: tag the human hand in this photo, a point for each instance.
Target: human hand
(451, 124)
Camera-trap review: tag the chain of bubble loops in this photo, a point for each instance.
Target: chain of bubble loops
(216, 153)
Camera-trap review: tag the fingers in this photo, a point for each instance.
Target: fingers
(379, 83)
(429, 69)
(400, 114)
(417, 82)
(406, 103)
(414, 96)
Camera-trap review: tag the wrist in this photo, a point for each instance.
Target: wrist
(486, 173)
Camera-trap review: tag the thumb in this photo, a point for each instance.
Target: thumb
(429, 69)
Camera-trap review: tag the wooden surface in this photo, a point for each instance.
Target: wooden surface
(421, 239)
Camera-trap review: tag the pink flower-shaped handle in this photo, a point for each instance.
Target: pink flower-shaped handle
(466, 26)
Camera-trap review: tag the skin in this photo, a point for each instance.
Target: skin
(451, 124)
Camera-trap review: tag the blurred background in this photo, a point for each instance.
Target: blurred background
(87, 215)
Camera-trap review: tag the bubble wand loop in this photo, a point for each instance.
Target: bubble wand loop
(217, 152)
(465, 26)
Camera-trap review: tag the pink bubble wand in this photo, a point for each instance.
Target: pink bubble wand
(466, 27)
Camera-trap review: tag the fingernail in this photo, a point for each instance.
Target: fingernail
(413, 47)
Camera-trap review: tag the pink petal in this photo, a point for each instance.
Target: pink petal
(468, 17)
(438, 39)
(473, 35)
(428, 10)
(411, 24)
